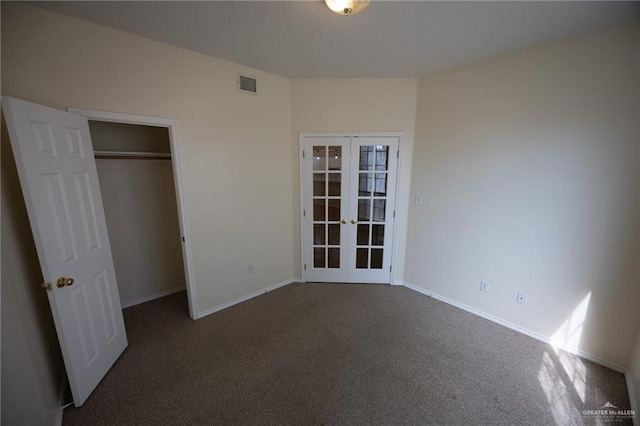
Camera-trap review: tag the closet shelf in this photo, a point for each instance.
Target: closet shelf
(130, 154)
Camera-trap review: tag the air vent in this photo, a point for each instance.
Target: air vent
(247, 84)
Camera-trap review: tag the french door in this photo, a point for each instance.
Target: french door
(348, 195)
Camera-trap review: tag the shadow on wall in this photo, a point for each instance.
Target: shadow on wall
(570, 331)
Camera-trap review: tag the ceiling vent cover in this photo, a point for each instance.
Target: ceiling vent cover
(247, 84)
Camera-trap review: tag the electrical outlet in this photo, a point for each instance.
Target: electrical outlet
(484, 286)
(522, 298)
(251, 270)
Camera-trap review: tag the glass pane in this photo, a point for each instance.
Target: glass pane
(318, 235)
(334, 258)
(334, 210)
(364, 184)
(319, 158)
(318, 209)
(363, 235)
(335, 158)
(366, 158)
(361, 258)
(376, 258)
(335, 180)
(379, 210)
(382, 157)
(319, 184)
(334, 235)
(318, 257)
(364, 210)
(377, 235)
(380, 185)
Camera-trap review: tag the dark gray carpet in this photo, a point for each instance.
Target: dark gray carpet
(336, 354)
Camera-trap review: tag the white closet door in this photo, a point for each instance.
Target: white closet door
(59, 181)
(348, 191)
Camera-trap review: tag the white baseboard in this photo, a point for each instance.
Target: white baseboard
(517, 328)
(244, 298)
(633, 398)
(151, 297)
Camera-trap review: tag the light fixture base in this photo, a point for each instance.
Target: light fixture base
(347, 7)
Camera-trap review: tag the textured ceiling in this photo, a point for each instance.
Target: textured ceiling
(304, 39)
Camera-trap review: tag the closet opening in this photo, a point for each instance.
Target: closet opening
(135, 173)
(140, 176)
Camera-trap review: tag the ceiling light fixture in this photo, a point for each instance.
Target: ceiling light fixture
(347, 7)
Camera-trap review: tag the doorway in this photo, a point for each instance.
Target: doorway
(348, 196)
(138, 196)
(60, 186)
(162, 154)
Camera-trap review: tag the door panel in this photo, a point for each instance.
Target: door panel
(373, 185)
(325, 208)
(348, 193)
(57, 171)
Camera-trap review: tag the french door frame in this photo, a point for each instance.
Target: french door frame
(304, 196)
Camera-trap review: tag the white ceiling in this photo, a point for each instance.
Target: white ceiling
(304, 39)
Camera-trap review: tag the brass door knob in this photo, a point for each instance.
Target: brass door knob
(47, 286)
(343, 221)
(64, 281)
(353, 221)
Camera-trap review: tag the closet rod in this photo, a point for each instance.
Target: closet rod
(132, 155)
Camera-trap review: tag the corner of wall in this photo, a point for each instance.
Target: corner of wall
(514, 159)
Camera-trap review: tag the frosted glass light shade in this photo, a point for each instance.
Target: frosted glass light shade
(347, 7)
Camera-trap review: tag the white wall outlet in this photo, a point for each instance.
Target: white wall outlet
(419, 199)
(522, 298)
(484, 286)
(251, 270)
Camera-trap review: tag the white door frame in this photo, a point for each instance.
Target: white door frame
(176, 161)
(394, 245)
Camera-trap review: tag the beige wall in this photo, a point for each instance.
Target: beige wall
(236, 147)
(355, 105)
(31, 367)
(140, 207)
(108, 136)
(142, 220)
(634, 374)
(528, 165)
(634, 363)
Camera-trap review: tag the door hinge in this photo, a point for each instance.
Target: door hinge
(398, 154)
(302, 153)
(305, 266)
(394, 213)
(390, 268)
(304, 213)
(183, 240)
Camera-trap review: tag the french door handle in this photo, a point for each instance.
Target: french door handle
(353, 221)
(343, 221)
